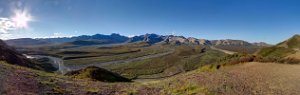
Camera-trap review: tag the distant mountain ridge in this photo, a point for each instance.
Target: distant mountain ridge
(117, 38)
(97, 38)
(178, 40)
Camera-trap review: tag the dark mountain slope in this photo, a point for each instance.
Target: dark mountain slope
(11, 56)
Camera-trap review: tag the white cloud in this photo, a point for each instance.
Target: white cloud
(6, 25)
(5, 36)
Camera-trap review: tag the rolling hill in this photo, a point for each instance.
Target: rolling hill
(96, 73)
(283, 49)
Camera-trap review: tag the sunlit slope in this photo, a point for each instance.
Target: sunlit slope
(283, 49)
(183, 59)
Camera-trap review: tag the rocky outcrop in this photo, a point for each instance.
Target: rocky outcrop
(176, 40)
(193, 41)
(204, 42)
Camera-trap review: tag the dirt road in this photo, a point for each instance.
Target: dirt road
(222, 50)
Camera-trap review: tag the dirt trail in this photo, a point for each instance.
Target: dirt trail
(251, 78)
(222, 50)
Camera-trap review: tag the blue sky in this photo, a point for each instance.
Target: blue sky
(269, 21)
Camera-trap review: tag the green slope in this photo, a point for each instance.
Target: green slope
(185, 58)
(99, 74)
(282, 49)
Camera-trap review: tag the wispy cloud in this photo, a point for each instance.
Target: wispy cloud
(6, 25)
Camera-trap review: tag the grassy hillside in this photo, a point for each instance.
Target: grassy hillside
(293, 42)
(275, 52)
(282, 49)
(240, 49)
(185, 58)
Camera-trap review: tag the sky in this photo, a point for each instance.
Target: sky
(270, 21)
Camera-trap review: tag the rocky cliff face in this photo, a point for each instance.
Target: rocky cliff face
(175, 40)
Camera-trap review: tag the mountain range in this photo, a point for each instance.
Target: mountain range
(114, 38)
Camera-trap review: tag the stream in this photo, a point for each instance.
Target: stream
(55, 62)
